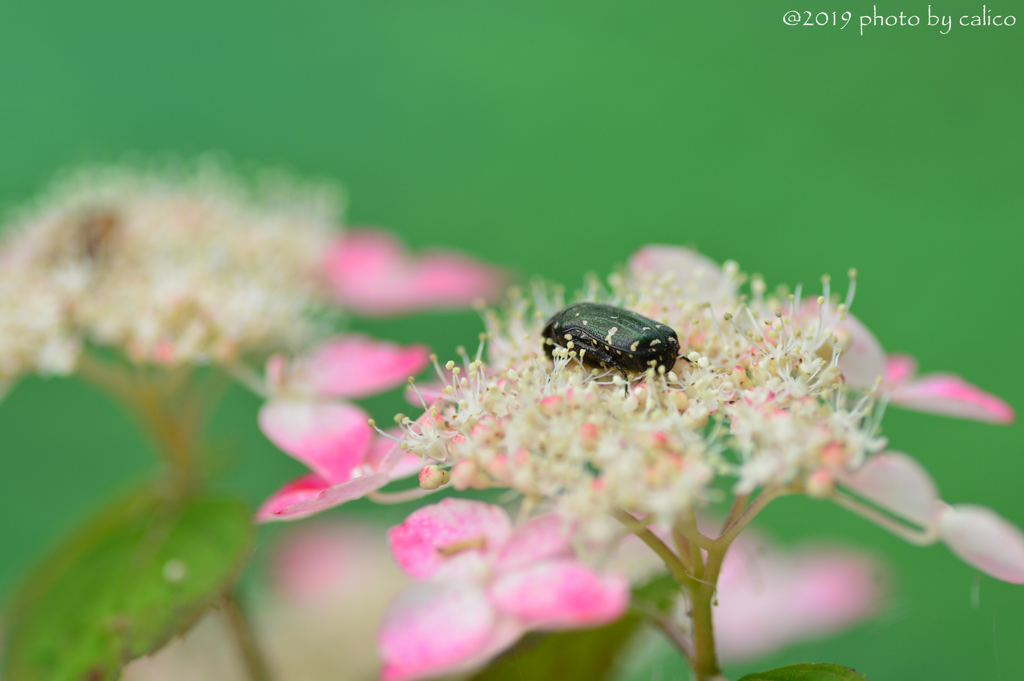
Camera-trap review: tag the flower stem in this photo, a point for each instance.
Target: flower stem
(732, 530)
(702, 595)
(919, 538)
(675, 566)
(698, 574)
(246, 639)
(165, 407)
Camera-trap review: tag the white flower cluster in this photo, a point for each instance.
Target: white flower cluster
(759, 397)
(168, 267)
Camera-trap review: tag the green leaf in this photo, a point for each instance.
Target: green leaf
(140, 573)
(807, 672)
(662, 592)
(586, 655)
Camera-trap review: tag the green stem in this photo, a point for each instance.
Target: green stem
(689, 531)
(738, 505)
(766, 496)
(165, 407)
(246, 639)
(917, 537)
(675, 566)
(702, 594)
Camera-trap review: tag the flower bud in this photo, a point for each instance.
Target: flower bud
(433, 476)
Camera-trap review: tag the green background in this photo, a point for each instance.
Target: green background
(555, 138)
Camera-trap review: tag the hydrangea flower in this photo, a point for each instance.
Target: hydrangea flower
(774, 394)
(483, 584)
(769, 394)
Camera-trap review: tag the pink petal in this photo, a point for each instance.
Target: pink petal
(767, 600)
(440, 628)
(559, 594)
(329, 497)
(899, 368)
(863, 360)
(544, 537)
(373, 274)
(984, 539)
(308, 486)
(897, 483)
(458, 525)
(330, 437)
(951, 395)
(699, 276)
(356, 366)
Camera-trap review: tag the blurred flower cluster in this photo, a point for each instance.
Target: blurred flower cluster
(190, 265)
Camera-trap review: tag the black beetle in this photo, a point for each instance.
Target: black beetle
(605, 335)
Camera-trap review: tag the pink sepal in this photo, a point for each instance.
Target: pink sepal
(373, 274)
(699, 276)
(984, 539)
(329, 437)
(328, 497)
(355, 366)
(311, 494)
(418, 542)
(435, 628)
(458, 546)
(304, 488)
(950, 395)
(544, 537)
(863, 360)
(768, 600)
(559, 594)
(899, 368)
(897, 483)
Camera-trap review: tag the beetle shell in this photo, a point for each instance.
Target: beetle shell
(613, 336)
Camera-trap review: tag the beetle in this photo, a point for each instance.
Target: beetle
(605, 335)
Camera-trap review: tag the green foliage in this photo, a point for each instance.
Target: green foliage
(807, 672)
(662, 592)
(141, 572)
(587, 655)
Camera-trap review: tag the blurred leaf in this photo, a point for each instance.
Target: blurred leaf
(662, 592)
(807, 672)
(141, 572)
(586, 655)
